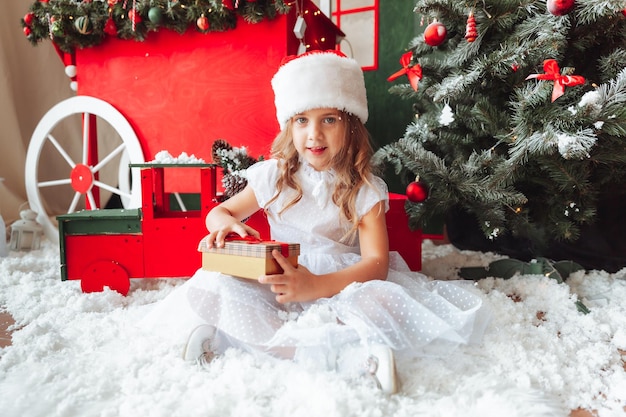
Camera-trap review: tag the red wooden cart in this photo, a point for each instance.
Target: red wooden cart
(172, 92)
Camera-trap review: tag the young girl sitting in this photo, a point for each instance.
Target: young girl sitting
(318, 190)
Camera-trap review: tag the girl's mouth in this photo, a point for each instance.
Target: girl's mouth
(317, 150)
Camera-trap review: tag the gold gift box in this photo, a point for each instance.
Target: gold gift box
(248, 257)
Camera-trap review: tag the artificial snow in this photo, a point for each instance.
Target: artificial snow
(76, 354)
(164, 157)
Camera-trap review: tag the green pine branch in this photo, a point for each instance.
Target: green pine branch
(56, 20)
(520, 162)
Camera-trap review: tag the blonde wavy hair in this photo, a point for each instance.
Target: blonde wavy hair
(352, 166)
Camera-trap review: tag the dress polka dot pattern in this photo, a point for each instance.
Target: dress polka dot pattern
(408, 312)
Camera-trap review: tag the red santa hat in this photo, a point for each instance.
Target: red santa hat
(319, 79)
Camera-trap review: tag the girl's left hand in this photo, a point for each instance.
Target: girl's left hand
(294, 284)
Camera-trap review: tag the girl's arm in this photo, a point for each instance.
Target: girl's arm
(226, 217)
(299, 284)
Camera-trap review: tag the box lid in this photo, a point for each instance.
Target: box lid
(251, 247)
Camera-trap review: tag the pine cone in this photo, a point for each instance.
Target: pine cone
(218, 145)
(249, 161)
(233, 184)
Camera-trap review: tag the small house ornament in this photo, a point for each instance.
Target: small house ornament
(26, 233)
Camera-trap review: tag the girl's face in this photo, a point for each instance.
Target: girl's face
(318, 135)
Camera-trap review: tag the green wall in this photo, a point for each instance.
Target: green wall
(390, 114)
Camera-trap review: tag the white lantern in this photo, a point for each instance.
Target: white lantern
(4, 251)
(3, 238)
(26, 233)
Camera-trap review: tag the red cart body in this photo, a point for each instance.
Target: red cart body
(182, 92)
(109, 247)
(176, 93)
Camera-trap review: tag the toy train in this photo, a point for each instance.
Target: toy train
(109, 247)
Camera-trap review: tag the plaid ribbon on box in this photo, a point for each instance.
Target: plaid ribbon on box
(252, 247)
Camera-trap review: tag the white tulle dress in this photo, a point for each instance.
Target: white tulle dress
(408, 312)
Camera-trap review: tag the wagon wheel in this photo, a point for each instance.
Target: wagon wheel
(72, 172)
(102, 274)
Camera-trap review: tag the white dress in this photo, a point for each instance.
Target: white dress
(408, 312)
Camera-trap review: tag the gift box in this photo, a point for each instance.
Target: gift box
(247, 257)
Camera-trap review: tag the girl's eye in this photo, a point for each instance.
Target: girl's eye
(300, 120)
(330, 120)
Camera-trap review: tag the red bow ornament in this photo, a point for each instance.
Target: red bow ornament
(553, 73)
(414, 73)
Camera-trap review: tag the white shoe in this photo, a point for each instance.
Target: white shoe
(198, 346)
(382, 367)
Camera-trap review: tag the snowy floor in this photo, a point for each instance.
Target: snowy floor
(76, 354)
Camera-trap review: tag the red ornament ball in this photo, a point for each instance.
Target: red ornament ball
(134, 16)
(435, 34)
(27, 31)
(203, 23)
(417, 192)
(29, 18)
(560, 7)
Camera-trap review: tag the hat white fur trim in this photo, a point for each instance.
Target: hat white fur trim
(319, 80)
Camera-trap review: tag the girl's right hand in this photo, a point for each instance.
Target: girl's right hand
(217, 237)
(226, 218)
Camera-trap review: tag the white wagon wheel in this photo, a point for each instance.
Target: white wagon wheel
(70, 184)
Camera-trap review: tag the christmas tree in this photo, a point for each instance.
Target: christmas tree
(520, 125)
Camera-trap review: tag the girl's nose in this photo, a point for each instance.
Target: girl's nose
(314, 130)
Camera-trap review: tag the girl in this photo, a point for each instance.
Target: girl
(318, 190)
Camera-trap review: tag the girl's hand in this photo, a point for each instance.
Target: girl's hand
(294, 284)
(216, 238)
(226, 218)
(299, 284)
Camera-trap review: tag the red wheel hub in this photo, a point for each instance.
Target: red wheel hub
(81, 178)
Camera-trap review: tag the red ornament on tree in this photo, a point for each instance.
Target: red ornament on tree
(417, 191)
(553, 73)
(29, 18)
(414, 73)
(435, 34)
(560, 7)
(203, 23)
(470, 29)
(134, 16)
(229, 4)
(27, 31)
(110, 28)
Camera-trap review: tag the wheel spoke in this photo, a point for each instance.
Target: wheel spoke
(92, 202)
(86, 130)
(53, 183)
(74, 203)
(111, 189)
(60, 149)
(81, 163)
(109, 157)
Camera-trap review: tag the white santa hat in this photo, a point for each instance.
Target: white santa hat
(319, 79)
